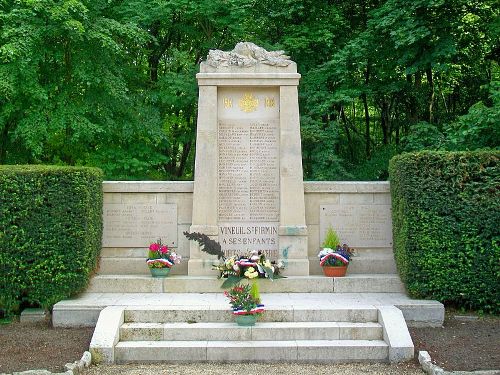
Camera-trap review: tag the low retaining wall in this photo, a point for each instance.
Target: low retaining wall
(136, 213)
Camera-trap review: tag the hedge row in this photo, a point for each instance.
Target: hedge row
(50, 232)
(446, 224)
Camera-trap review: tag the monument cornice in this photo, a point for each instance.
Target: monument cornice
(248, 79)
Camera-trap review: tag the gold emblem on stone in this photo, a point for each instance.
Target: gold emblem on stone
(228, 102)
(270, 103)
(248, 103)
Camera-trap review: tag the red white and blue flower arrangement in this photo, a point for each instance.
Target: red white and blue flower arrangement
(161, 256)
(338, 257)
(333, 257)
(244, 299)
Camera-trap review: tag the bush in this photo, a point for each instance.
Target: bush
(446, 220)
(50, 232)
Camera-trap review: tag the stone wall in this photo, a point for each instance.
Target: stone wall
(131, 260)
(365, 220)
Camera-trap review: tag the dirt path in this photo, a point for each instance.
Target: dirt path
(460, 345)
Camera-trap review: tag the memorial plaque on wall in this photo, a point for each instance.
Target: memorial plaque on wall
(248, 170)
(138, 225)
(358, 225)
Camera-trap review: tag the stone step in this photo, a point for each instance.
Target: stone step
(83, 310)
(263, 331)
(133, 266)
(378, 264)
(273, 313)
(115, 261)
(317, 351)
(374, 283)
(366, 283)
(372, 264)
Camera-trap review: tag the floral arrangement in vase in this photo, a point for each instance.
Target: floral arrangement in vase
(245, 303)
(333, 257)
(236, 268)
(161, 259)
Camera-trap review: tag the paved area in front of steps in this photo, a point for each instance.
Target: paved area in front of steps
(409, 368)
(324, 300)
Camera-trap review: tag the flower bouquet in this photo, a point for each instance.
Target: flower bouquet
(250, 266)
(237, 268)
(334, 258)
(161, 259)
(245, 302)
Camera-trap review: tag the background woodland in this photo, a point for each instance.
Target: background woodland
(112, 84)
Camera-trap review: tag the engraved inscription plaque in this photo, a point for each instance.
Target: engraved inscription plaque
(248, 170)
(238, 238)
(137, 225)
(358, 225)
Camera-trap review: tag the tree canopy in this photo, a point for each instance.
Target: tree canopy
(112, 83)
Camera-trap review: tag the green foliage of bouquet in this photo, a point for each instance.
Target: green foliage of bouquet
(242, 300)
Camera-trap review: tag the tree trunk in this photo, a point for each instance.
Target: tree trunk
(3, 143)
(431, 94)
(184, 156)
(383, 121)
(348, 133)
(367, 113)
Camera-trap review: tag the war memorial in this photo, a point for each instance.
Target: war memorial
(248, 194)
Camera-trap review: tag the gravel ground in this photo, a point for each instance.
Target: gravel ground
(257, 369)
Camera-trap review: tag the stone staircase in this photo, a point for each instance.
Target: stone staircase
(297, 333)
(360, 317)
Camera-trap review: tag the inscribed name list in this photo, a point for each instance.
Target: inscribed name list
(248, 170)
(138, 225)
(358, 225)
(248, 178)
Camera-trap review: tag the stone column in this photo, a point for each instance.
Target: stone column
(293, 230)
(205, 181)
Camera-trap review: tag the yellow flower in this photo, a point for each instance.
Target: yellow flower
(251, 273)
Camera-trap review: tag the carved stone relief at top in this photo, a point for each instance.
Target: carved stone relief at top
(247, 54)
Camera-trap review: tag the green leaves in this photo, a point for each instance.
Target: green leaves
(445, 224)
(51, 230)
(112, 84)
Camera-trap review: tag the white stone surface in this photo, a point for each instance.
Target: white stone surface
(134, 224)
(322, 351)
(353, 283)
(84, 310)
(66, 315)
(396, 334)
(347, 187)
(246, 54)
(254, 351)
(142, 332)
(106, 334)
(160, 351)
(248, 120)
(147, 187)
(371, 283)
(180, 193)
(358, 222)
(33, 315)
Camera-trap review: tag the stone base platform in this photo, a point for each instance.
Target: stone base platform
(83, 311)
(295, 327)
(357, 283)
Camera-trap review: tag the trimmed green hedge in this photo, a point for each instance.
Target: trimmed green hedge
(446, 224)
(50, 232)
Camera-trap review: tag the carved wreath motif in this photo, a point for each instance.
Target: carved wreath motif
(247, 54)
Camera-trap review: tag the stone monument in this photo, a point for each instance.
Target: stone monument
(248, 185)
